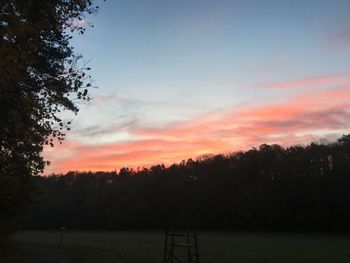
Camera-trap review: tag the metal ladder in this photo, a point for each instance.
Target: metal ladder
(181, 244)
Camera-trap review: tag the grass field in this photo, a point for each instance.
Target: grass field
(214, 247)
(10, 251)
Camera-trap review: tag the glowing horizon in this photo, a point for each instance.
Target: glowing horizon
(301, 118)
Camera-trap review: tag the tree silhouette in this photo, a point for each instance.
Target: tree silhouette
(40, 77)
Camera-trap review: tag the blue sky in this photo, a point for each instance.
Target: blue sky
(165, 65)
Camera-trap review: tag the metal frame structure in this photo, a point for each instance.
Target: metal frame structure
(180, 237)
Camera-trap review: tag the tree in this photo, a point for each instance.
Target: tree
(40, 77)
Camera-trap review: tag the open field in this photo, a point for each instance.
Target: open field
(142, 246)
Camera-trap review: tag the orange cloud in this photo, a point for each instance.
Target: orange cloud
(133, 154)
(298, 119)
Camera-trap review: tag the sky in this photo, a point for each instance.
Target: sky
(186, 78)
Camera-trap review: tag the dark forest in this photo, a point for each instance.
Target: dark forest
(270, 188)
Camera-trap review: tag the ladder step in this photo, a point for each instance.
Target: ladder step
(177, 235)
(184, 244)
(180, 235)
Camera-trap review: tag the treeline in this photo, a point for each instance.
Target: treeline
(269, 188)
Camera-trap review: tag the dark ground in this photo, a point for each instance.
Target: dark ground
(214, 247)
(42, 254)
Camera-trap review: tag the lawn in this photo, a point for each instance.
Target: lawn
(214, 247)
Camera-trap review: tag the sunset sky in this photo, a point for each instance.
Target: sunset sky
(183, 78)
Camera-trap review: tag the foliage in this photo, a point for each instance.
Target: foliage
(269, 188)
(40, 77)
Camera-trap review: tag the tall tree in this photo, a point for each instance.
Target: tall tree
(40, 76)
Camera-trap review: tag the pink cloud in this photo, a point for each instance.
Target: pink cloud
(311, 82)
(297, 119)
(133, 154)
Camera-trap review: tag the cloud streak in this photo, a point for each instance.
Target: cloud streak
(311, 82)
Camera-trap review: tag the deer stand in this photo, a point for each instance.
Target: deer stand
(181, 244)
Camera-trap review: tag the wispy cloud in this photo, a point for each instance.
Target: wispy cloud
(108, 129)
(311, 82)
(337, 37)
